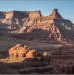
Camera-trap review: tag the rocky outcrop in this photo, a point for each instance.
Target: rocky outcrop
(32, 25)
(18, 51)
(23, 57)
(55, 15)
(32, 54)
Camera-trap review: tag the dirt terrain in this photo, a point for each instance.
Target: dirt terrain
(61, 57)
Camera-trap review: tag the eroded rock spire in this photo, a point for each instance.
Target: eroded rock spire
(55, 14)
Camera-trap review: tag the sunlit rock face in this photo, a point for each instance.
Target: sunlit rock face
(22, 53)
(32, 25)
(18, 51)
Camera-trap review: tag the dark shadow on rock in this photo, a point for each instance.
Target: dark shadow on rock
(5, 69)
(35, 34)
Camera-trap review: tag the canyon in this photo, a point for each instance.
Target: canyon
(32, 25)
(31, 43)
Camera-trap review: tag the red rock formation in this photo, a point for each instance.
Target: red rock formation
(55, 15)
(17, 51)
(31, 25)
(32, 54)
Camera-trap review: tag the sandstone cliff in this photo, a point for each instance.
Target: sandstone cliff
(32, 25)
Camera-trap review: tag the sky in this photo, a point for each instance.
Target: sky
(65, 7)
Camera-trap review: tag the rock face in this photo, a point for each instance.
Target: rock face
(32, 54)
(17, 51)
(55, 15)
(20, 51)
(32, 25)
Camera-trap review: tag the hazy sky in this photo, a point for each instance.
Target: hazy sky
(65, 7)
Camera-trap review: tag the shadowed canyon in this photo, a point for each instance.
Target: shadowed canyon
(31, 43)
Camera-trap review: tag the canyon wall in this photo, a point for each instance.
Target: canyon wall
(33, 25)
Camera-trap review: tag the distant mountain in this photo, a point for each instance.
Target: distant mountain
(32, 25)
